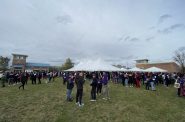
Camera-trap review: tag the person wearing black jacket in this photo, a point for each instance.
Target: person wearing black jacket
(32, 77)
(23, 80)
(147, 82)
(27, 76)
(79, 83)
(93, 90)
(39, 78)
(70, 85)
(99, 85)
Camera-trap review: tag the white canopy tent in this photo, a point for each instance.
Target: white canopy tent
(154, 69)
(124, 70)
(135, 69)
(96, 65)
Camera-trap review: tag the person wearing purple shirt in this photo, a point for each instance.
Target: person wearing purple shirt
(105, 80)
(182, 85)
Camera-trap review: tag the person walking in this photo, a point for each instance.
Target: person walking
(23, 80)
(79, 83)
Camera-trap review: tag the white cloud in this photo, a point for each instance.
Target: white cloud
(51, 31)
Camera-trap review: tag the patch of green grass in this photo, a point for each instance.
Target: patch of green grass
(46, 103)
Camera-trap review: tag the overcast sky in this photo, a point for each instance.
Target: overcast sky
(118, 31)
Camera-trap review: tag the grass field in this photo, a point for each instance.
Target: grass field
(46, 103)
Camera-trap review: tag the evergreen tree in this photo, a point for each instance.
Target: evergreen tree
(68, 64)
(4, 61)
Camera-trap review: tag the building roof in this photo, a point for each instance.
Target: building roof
(155, 69)
(29, 64)
(142, 60)
(160, 62)
(19, 55)
(17, 65)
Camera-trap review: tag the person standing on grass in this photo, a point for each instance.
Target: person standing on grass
(50, 75)
(65, 78)
(35, 78)
(182, 85)
(99, 85)
(137, 77)
(31, 77)
(27, 76)
(23, 80)
(167, 80)
(70, 85)
(3, 79)
(79, 83)
(152, 83)
(131, 79)
(39, 77)
(147, 82)
(93, 85)
(105, 80)
(126, 79)
(177, 85)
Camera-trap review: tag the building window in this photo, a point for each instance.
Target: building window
(16, 57)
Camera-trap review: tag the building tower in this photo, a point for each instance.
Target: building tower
(19, 62)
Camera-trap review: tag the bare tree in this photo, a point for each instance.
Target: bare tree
(179, 57)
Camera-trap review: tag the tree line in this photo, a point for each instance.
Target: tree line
(179, 57)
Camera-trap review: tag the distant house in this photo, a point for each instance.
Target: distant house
(169, 66)
(37, 67)
(19, 64)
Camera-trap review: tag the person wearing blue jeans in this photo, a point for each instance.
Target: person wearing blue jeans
(70, 85)
(126, 80)
(152, 84)
(105, 80)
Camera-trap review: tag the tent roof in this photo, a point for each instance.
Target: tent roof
(124, 69)
(96, 65)
(154, 69)
(135, 69)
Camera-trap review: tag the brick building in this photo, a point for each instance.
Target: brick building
(37, 67)
(19, 64)
(169, 66)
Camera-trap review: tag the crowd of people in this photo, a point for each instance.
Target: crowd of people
(99, 84)
(98, 81)
(13, 78)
